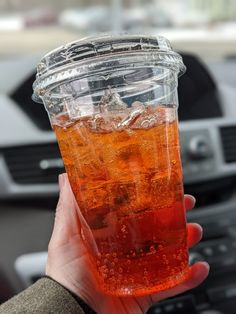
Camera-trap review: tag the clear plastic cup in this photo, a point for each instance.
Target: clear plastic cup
(112, 102)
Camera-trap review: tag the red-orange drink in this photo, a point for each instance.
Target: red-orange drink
(112, 101)
(125, 172)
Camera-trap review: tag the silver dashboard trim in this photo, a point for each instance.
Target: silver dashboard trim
(221, 169)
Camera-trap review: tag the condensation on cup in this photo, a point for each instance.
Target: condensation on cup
(112, 102)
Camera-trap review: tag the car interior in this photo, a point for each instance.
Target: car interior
(30, 163)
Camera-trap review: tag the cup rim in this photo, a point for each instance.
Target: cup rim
(83, 56)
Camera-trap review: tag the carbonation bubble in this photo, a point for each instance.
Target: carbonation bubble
(146, 279)
(103, 268)
(152, 249)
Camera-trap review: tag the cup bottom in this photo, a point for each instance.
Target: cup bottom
(135, 291)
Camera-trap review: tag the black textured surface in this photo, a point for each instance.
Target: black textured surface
(198, 94)
(24, 163)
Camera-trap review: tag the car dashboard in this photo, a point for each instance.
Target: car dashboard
(30, 163)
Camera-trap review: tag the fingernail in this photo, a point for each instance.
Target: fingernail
(198, 226)
(61, 180)
(206, 264)
(193, 199)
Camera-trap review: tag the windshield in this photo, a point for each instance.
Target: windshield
(203, 27)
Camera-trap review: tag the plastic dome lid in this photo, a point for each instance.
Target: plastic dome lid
(89, 55)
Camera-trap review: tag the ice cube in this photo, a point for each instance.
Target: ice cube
(137, 104)
(104, 122)
(146, 119)
(100, 124)
(130, 196)
(163, 189)
(132, 115)
(111, 102)
(94, 203)
(166, 113)
(109, 112)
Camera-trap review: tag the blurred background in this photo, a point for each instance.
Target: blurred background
(205, 27)
(204, 32)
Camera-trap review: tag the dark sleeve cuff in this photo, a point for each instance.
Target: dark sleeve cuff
(46, 296)
(86, 308)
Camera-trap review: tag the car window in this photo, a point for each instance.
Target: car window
(206, 28)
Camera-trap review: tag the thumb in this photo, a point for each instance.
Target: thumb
(67, 223)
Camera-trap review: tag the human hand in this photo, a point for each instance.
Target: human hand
(69, 264)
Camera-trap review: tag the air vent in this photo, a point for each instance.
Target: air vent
(228, 137)
(34, 164)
